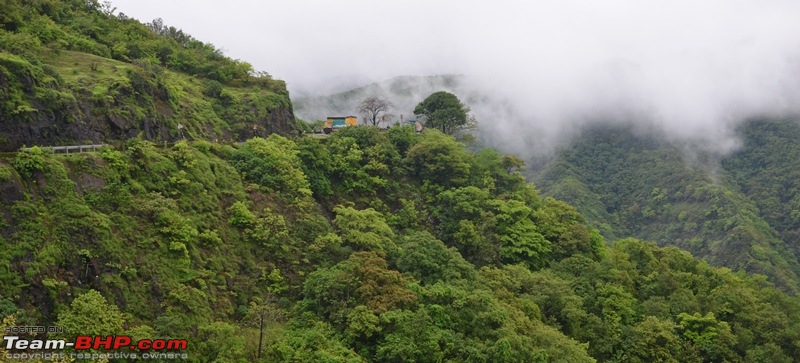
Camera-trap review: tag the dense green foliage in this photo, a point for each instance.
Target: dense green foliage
(73, 71)
(368, 245)
(364, 246)
(634, 185)
(767, 169)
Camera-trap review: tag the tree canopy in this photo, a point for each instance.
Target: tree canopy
(418, 249)
(444, 112)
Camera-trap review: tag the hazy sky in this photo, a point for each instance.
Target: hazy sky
(691, 67)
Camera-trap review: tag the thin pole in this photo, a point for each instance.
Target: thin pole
(260, 335)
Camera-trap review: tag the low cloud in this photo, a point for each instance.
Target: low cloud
(692, 70)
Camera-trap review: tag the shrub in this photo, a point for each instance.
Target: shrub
(29, 161)
(5, 173)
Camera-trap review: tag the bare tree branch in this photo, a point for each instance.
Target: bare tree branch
(373, 107)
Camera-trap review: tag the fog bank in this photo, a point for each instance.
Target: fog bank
(546, 68)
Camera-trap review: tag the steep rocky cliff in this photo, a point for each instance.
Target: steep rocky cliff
(74, 72)
(75, 98)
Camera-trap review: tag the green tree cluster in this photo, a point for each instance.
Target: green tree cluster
(419, 261)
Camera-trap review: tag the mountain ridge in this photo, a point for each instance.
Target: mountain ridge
(650, 189)
(403, 91)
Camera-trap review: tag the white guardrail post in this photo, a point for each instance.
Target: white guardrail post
(66, 149)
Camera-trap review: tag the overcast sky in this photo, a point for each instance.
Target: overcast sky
(693, 67)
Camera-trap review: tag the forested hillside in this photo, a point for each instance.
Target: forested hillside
(365, 246)
(73, 71)
(767, 169)
(368, 245)
(735, 212)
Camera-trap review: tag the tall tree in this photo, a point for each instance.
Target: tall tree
(373, 107)
(445, 112)
(262, 312)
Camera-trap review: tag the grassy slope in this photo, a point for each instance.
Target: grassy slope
(73, 73)
(102, 89)
(102, 80)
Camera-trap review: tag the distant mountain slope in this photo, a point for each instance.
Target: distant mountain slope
(403, 92)
(74, 72)
(767, 168)
(501, 123)
(631, 185)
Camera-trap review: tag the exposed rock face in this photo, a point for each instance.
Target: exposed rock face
(39, 108)
(43, 129)
(277, 121)
(89, 127)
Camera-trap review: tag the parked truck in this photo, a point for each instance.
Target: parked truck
(334, 123)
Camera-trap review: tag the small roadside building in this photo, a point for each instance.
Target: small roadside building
(337, 122)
